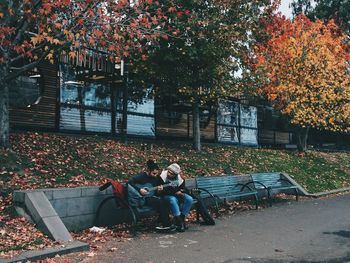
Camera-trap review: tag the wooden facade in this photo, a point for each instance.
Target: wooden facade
(68, 107)
(43, 115)
(177, 124)
(97, 107)
(275, 137)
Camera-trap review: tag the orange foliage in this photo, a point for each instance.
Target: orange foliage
(306, 69)
(61, 23)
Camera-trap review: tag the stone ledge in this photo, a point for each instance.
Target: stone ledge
(74, 246)
(336, 191)
(66, 193)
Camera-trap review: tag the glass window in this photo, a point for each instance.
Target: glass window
(140, 116)
(249, 136)
(26, 90)
(228, 134)
(248, 116)
(228, 112)
(85, 106)
(236, 123)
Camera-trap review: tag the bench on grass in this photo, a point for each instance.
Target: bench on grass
(134, 214)
(273, 183)
(224, 188)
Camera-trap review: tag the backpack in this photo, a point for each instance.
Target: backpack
(135, 199)
(126, 194)
(202, 209)
(119, 191)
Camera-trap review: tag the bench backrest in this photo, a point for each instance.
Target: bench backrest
(268, 179)
(221, 185)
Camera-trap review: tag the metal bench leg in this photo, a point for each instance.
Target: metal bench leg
(269, 197)
(197, 215)
(133, 225)
(256, 201)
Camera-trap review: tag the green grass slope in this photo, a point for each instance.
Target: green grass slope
(49, 160)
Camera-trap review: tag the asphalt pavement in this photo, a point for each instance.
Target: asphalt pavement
(311, 230)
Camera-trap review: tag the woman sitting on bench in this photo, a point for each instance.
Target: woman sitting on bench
(175, 194)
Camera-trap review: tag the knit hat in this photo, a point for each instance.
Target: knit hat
(152, 165)
(175, 168)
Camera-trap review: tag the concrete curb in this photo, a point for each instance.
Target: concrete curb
(74, 246)
(315, 195)
(300, 188)
(336, 191)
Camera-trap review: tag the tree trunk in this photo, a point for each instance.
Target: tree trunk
(124, 131)
(82, 109)
(4, 111)
(196, 127)
(302, 136)
(114, 107)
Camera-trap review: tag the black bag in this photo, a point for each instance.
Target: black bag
(202, 209)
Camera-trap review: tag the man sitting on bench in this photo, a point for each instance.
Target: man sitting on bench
(144, 183)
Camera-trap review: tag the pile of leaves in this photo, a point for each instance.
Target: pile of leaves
(43, 160)
(16, 233)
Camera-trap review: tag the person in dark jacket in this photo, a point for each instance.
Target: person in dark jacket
(176, 194)
(150, 178)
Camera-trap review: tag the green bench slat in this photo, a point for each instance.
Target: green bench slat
(273, 182)
(224, 186)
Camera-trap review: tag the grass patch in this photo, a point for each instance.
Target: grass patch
(36, 242)
(49, 160)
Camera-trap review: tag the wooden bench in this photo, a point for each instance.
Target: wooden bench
(134, 214)
(228, 187)
(273, 183)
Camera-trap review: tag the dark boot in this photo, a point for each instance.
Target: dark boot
(184, 221)
(180, 227)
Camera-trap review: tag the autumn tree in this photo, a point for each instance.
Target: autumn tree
(338, 10)
(305, 72)
(200, 67)
(34, 30)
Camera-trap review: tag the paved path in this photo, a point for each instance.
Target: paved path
(314, 230)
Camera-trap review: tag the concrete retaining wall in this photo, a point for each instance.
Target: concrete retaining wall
(76, 207)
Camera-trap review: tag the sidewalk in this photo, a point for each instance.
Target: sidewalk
(314, 230)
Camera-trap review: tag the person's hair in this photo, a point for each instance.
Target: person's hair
(152, 165)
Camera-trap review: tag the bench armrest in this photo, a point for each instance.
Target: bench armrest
(246, 185)
(213, 197)
(285, 180)
(105, 186)
(259, 183)
(205, 190)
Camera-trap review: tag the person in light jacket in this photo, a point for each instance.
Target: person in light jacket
(180, 202)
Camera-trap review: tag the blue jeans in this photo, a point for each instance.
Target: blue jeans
(175, 206)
